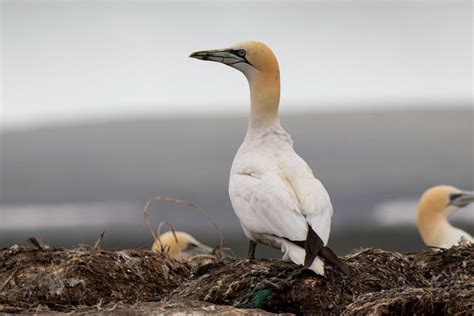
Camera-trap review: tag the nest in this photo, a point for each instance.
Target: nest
(372, 270)
(414, 301)
(450, 268)
(381, 282)
(139, 281)
(64, 279)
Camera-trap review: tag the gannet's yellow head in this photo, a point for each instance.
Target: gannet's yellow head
(435, 206)
(248, 57)
(442, 200)
(258, 63)
(181, 247)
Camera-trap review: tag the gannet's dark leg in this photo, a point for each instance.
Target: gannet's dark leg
(252, 246)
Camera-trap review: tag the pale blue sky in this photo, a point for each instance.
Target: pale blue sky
(83, 60)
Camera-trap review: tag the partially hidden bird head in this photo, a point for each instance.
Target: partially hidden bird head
(180, 245)
(442, 200)
(249, 57)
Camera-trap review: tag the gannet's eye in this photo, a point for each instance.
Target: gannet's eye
(454, 196)
(241, 52)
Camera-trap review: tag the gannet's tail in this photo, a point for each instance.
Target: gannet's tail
(297, 254)
(314, 246)
(310, 252)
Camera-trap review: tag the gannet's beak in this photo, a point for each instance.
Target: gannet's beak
(205, 248)
(224, 56)
(461, 199)
(198, 249)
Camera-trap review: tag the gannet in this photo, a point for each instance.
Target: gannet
(434, 208)
(273, 191)
(183, 247)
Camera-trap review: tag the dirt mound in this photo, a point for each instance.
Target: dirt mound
(452, 267)
(61, 279)
(414, 301)
(148, 308)
(171, 307)
(279, 286)
(136, 282)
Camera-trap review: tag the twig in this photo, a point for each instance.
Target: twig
(8, 279)
(335, 305)
(156, 236)
(33, 241)
(98, 305)
(147, 222)
(113, 307)
(37, 309)
(99, 240)
(158, 233)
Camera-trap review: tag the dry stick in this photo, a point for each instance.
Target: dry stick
(158, 233)
(34, 242)
(113, 307)
(99, 240)
(147, 222)
(37, 309)
(8, 279)
(98, 305)
(156, 236)
(335, 304)
(182, 202)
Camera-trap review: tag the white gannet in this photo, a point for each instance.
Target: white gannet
(436, 205)
(273, 191)
(183, 246)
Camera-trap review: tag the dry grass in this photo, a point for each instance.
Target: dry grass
(87, 280)
(65, 279)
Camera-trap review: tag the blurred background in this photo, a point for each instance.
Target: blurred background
(102, 109)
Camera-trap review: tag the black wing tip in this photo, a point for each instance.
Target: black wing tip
(314, 246)
(332, 258)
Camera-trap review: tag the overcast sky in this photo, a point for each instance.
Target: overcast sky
(81, 60)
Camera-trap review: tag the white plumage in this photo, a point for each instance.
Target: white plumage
(273, 191)
(275, 195)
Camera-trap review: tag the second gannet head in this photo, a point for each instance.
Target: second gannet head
(258, 63)
(434, 208)
(183, 246)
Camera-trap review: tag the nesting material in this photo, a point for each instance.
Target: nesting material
(450, 268)
(42, 280)
(373, 270)
(63, 279)
(414, 301)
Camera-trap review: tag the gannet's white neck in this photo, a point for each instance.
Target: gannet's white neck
(264, 99)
